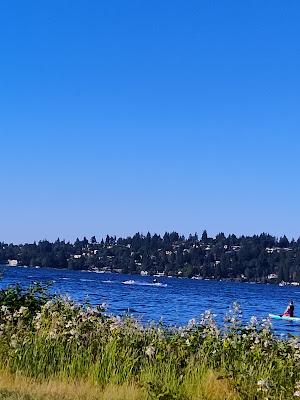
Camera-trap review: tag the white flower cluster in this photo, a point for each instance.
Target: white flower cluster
(263, 385)
(150, 351)
(208, 322)
(297, 390)
(5, 310)
(21, 312)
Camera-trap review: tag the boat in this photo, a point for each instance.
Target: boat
(130, 282)
(284, 317)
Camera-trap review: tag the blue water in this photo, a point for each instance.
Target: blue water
(173, 300)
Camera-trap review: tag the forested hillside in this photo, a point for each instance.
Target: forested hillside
(253, 258)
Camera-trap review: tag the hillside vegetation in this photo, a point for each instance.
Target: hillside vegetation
(253, 258)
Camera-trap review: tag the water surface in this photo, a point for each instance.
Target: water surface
(173, 300)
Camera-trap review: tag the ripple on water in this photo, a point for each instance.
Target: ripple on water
(178, 302)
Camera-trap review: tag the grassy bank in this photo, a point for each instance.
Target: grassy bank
(53, 348)
(15, 386)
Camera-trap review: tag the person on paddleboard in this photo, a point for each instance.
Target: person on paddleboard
(289, 312)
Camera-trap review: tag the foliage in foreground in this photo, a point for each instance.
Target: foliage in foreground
(45, 338)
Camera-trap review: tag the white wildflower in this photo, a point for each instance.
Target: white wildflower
(297, 385)
(191, 323)
(263, 385)
(116, 323)
(48, 304)
(23, 310)
(73, 332)
(236, 308)
(38, 316)
(266, 324)
(13, 341)
(150, 351)
(253, 320)
(52, 334)
(5, 310)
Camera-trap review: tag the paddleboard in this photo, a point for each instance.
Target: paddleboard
(284, 317)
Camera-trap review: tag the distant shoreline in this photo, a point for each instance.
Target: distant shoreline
(258, 258)
(293, 284)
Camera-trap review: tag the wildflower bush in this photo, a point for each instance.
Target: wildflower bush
(53, 337)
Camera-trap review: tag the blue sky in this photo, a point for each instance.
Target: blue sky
(125, 116)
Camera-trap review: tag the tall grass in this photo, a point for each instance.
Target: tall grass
(49, 344)
(16, 386)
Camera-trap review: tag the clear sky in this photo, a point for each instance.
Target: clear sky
(122, 116)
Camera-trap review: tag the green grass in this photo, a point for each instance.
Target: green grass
(49, 345)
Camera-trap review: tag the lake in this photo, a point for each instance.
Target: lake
(173, 300)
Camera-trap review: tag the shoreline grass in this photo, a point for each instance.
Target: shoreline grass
(16, 386)
(51, 346)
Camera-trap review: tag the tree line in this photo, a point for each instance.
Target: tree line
(253, 258)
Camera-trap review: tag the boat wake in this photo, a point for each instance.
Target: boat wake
(141, 283)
